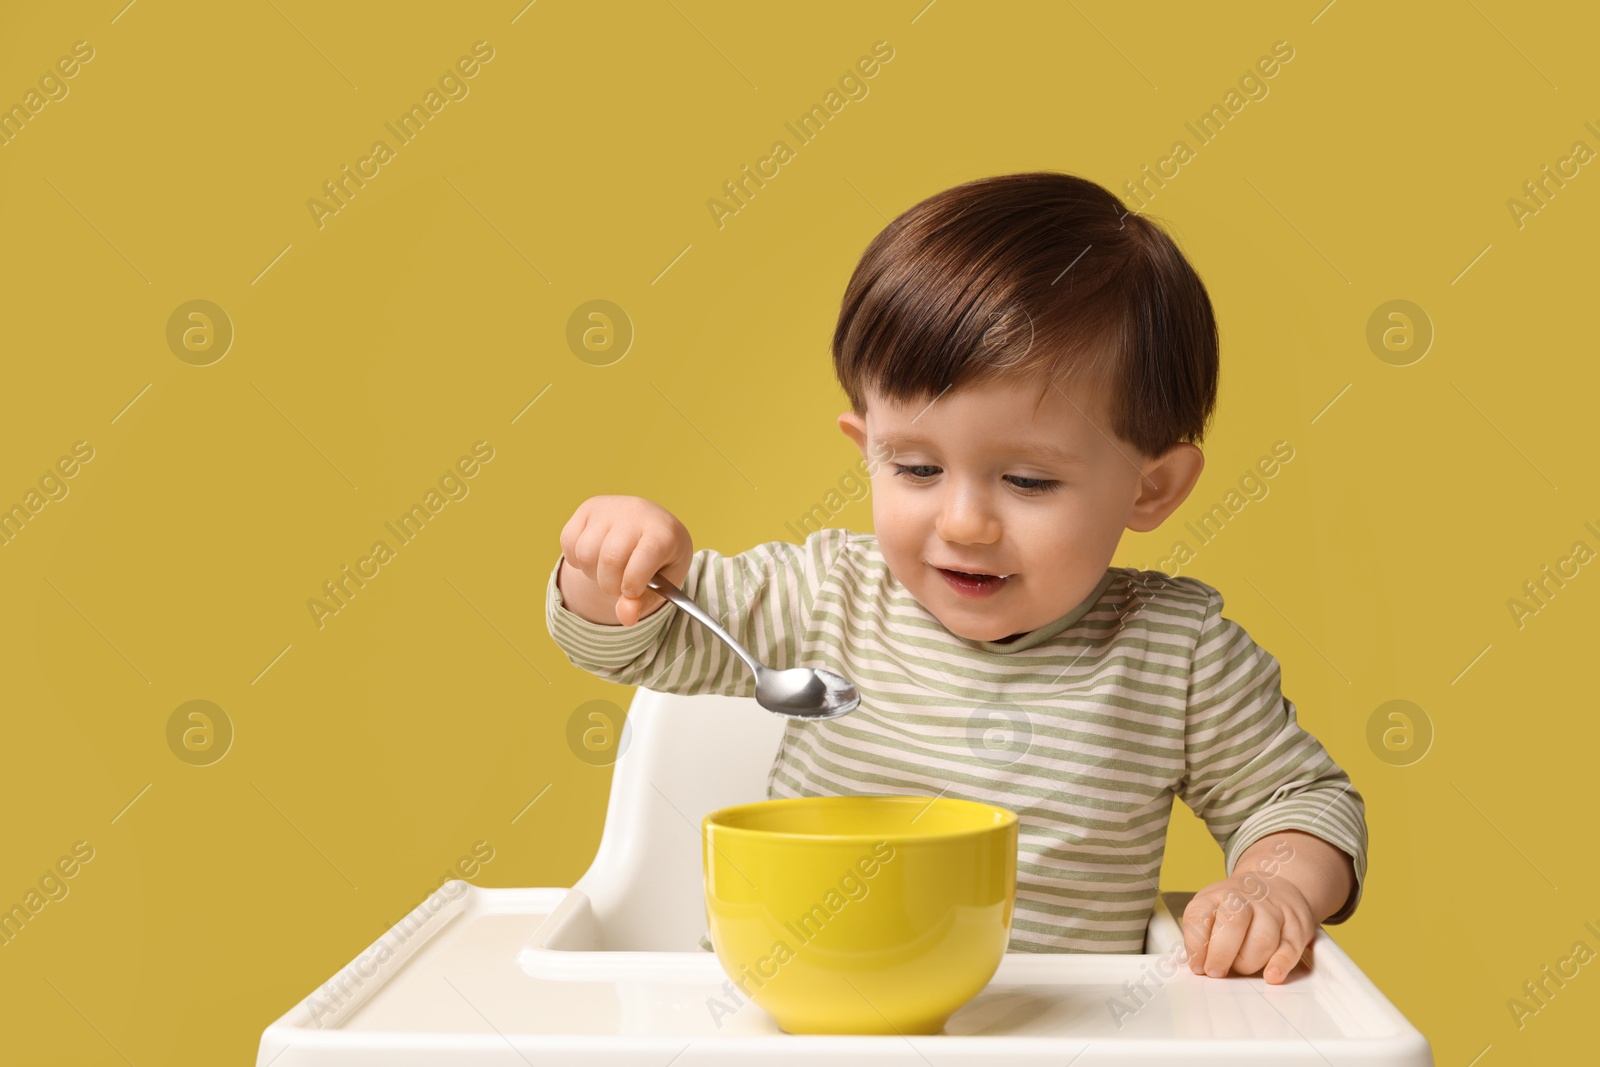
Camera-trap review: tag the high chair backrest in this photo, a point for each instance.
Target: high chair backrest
(682, 757)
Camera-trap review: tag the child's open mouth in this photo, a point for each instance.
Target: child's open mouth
(973, 585)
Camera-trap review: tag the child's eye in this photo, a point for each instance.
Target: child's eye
(1033, 486)
(1027, 486)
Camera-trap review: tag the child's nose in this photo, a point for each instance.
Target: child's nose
(967, 519)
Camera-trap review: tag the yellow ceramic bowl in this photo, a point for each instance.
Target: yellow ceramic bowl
(860, 914)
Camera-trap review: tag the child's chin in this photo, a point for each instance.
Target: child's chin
(966, 629)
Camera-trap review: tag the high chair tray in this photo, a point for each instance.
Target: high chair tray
(477, 982)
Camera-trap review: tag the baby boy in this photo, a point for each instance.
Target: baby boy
(1029, 369)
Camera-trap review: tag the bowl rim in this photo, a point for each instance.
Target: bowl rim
(711, 820)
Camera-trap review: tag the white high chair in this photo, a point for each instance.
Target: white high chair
(684, 757)
(611, 972)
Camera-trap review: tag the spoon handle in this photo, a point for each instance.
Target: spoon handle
(661, 585)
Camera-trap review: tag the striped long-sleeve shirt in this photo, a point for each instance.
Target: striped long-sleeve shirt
(1086, 727)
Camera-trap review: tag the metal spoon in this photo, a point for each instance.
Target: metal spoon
(799, 692)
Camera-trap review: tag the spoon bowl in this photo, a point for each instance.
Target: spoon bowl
(806, 692)
(798, 692)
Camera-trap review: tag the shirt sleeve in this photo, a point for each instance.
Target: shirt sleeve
(1251, 769)
(763, 597)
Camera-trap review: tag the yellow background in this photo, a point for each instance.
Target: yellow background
(371, 754)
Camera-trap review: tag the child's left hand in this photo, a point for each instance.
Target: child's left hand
(1244, 923)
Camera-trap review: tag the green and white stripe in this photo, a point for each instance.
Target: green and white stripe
(1085, 727)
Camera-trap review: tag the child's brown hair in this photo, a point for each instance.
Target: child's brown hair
(1033, 276)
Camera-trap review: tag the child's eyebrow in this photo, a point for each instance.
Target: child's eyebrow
(1030, 449)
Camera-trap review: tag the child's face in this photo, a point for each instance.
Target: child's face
(956, 487)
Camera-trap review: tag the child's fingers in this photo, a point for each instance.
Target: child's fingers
(1227, 934)
(1197, 920)
(1266, 935)
(572, 530)
(586, 545)
(1294, 947)
(648, 556)
(613, 558)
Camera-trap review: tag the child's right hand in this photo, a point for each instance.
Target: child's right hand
(613, 545)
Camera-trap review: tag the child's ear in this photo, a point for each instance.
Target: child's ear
(855, 428)
(1166, 483)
